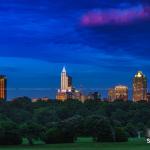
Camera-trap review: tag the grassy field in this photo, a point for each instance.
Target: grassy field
(85, 144)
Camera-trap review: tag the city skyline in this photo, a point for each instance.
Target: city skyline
(67, 90)
(102, 43)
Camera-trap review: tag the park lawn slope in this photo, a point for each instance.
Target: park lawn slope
(84, 144)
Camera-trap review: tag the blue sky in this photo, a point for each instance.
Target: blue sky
(101, 42)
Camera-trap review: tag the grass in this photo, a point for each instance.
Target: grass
(85, 144)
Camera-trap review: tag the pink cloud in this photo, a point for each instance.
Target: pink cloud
(115, 16)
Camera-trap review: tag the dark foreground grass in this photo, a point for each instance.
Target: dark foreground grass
(85, 144)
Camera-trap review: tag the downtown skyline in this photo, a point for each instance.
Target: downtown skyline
(39, 37)
(67, 85)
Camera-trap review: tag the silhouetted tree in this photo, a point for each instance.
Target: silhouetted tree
(9, 133)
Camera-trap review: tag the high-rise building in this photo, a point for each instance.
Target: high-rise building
(3, 87)
(139, 87)
(69, 82)
(66, 81)
(119, 92)
(66, 90)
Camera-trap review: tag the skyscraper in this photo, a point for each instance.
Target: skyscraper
(139, 87)
(65, 92)
(3, 88)
(66, 81)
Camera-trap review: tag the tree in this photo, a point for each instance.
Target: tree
(120, 115)
(45, 115)
(53, 136)
(64, 131)
(99, 128)
(131, 130)
(31, 131)
(71, 128)
(120, 135)
(9, 133)
(72, 118)
(21, 101)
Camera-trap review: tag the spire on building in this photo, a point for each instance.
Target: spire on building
(64, 69)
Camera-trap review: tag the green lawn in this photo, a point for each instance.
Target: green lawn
(85, 144)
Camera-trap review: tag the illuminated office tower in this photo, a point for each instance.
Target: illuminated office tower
(119, 92)
(139, 87)
(66, 91)
(3, 88)
(66, 81)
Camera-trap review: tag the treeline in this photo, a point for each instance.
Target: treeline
(63, 122)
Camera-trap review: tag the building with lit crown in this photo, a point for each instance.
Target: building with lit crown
(66, 81)
(66, 90)
(139, 87)
(119, 92)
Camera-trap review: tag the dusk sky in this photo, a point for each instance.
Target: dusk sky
(102, 43)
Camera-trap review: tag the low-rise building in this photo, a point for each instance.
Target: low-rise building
(119, 92)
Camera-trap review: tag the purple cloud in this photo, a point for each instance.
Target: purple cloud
(115, 16)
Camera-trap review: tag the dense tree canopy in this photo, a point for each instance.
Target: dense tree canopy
(102, 120)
